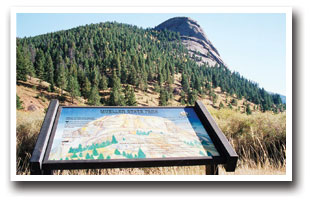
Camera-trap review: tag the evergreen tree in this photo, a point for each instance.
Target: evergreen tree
(95, 77)
(19, 103)
(163, 98)
(192, 97)
(49, 70)
(116, 97)
(130, 96)
(114, 141)
(39, 64)
(62, 78)
(183, 98)
(86, 90)
(73, 87)
(103, 84)
(185, 83)
(94, 98)
(21, 66)
(95, 152)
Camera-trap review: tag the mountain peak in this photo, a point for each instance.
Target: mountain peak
(194, 38)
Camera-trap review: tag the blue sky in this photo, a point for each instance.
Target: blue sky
(251, 44)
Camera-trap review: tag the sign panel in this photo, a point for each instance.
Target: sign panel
(129, 133)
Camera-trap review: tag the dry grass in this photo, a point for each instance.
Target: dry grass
(259, 139)
(175, 170)
(28, 126)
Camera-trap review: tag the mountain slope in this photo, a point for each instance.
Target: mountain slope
(194, 39)
(105, 62)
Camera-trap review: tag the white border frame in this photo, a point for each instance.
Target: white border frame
(284, 10)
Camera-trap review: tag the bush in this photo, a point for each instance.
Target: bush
(19, 103)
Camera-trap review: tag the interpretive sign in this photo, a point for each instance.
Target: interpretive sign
(110, 137)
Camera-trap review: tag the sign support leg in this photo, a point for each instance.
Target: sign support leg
(212, 170)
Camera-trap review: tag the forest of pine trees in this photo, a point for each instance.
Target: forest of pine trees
(87, 59)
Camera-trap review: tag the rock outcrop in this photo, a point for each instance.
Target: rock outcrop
(194, 38)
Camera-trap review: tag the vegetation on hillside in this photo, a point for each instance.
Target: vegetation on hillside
(87, 59)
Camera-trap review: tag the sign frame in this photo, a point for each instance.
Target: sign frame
(39, 163)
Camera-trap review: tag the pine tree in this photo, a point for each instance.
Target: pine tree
(21, 66)
(95, 77)
(95, 152)
(163, 98)
(185, 83)
(116, 97)
(130, 96)
(19, 103)
(192, 97)
(86, 90)
(94, 98)
(73, 87)
(39, 64)
(49, 70)
(62, 78)
(103, 84)
(182, 98)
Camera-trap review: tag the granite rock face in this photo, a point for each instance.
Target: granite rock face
(194, 39)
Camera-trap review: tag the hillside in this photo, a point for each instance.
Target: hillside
(35, 96)
(93, 62)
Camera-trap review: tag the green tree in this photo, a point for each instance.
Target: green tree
(185, 83)
(141, 154)
(103, 84)
(39, 64)
(101, 156)
(116, 152)
(116, 97)
(23, 65)
(94, 98)
(49, 70)
(130, 96)
(248, 109)
(73, 87)
(183, 98)
(62, 78)
(19, 103)
(86, 89)
(95, 152)
(87, 156)
(192, 97)
(95, 77)
(114, 141)
(163, 98)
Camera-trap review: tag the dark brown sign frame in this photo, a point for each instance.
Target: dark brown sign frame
(40, 164)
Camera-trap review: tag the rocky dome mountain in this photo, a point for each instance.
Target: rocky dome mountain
(194, 39)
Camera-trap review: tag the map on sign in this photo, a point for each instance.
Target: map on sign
(129, 133)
